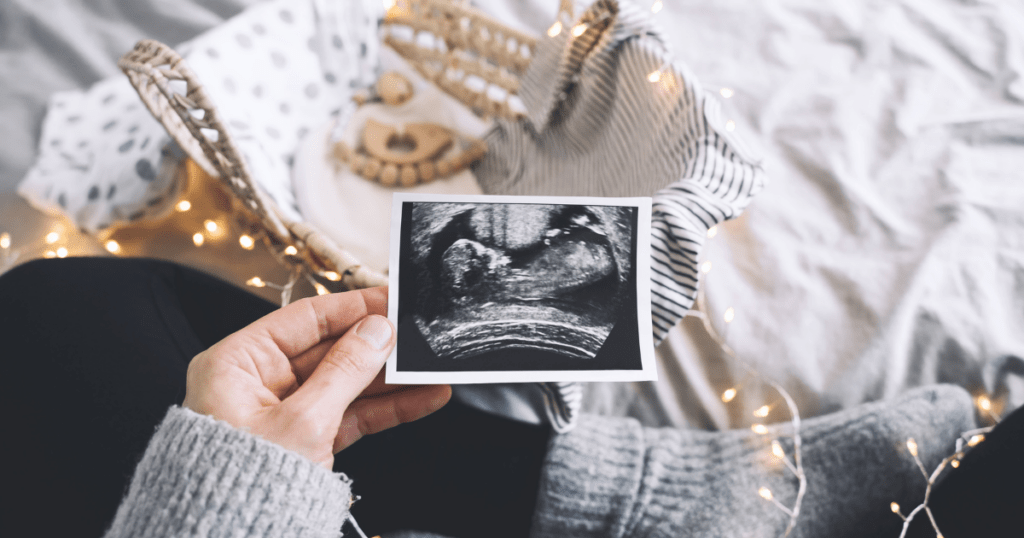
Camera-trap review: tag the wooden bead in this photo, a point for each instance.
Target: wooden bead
(357, 162)
(480, 100)
(372, 169)
(342, 152)
(408, 176)
(389, 175)
(393, 88)
(445, 167)
(426, 170)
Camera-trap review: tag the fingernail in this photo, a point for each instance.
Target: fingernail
(375, 330)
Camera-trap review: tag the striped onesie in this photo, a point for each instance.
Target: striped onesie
(609, 113)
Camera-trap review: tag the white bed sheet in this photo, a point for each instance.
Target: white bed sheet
(888, 251)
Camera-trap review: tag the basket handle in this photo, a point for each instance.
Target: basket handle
(192, 120)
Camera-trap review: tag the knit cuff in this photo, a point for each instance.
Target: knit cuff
(591, 479)
(203, 477)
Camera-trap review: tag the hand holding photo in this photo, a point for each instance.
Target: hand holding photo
(499, 289)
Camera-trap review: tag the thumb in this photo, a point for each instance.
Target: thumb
(347, 368)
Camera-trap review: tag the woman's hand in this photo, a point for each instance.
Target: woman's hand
(309, 376)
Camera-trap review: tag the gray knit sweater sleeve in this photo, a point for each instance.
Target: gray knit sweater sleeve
(203, 477)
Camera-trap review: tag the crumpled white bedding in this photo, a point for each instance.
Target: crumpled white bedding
(888, 250)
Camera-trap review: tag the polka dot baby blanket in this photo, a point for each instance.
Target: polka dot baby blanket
(274, 72)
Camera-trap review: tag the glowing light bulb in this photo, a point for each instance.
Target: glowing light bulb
(955, 463)
(912, 446)
(112, 247)
(332, 276)
(210, 226)
(765, 493)
(579, 29)
(655, 76)
(291, 250)
(62, 252)
(657, 7)
(198, 239)
(256, 282)
(762, 411)
(777, 450)
(728, 395)
(984, 403)
(712, 231)
(895, 507)
(555, 29)
(705, 267)
(730, 125)
(389, 4)
(729, 315)
(5, 240)
(759, 429)
(183, 206)
(50, 254)
(726, 92)
(975, 439)
(52, 238)
(320, 289)
(246, 242)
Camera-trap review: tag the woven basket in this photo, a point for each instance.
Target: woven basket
(476, 45)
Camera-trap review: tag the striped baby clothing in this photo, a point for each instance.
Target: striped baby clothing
(610, 113)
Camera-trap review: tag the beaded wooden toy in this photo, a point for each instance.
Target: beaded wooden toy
(409, 157)
(474, 46)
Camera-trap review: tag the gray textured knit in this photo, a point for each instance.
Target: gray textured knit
(609, 478)
(202, 477)
(612, 478)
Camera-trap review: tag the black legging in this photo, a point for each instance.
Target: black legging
(95, 351)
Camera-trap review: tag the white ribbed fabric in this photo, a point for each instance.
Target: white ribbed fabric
(562, 404)
(597, 125)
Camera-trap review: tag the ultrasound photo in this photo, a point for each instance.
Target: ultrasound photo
(504, 289)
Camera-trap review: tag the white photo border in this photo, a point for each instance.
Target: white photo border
(648, 371)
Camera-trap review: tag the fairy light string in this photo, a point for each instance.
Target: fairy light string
(969, 438)
(794, 465)
(7, 255)
(966, 441)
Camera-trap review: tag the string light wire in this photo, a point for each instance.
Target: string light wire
(285, 289)
(7, 255)
(795, 466)
(971, 438)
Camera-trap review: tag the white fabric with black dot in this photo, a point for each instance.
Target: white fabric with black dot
(273, 72)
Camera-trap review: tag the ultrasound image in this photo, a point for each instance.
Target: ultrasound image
(494, 277)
